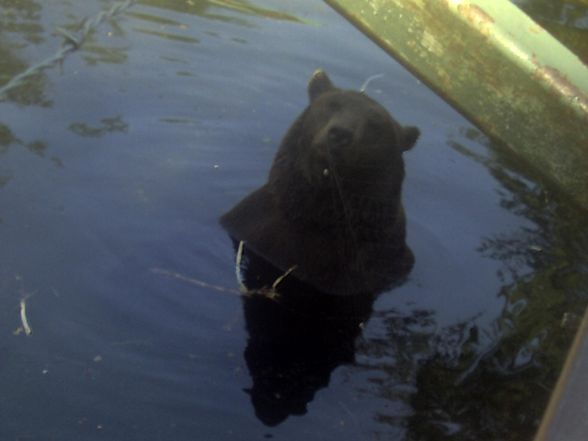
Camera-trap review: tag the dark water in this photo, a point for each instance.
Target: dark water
(114, 168)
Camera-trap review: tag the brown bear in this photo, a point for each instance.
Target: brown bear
(331, 207)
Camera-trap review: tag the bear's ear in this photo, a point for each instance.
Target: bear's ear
(319, 83)
(410, 135)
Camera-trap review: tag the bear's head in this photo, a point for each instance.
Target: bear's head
(345, 136)
(332, 206)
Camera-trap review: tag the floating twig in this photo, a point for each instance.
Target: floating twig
(23, 318)
(193, 281)
(283, 276)
(268, 292)
(71, 43)
(238, 271)
(368, 81)
(69, 37)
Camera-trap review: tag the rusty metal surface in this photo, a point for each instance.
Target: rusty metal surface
(500, 69)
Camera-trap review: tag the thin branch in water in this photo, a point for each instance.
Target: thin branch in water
(69, 37)
(71, 43)
(268, 292)
(193, 281)
(238, 271)
(368, 81)
(23, 318)
(282, 277)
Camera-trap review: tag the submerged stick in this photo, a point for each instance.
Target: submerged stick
(269, 292)
(282, 277)
(368, 81)
(238, 271)
(23, 318)
(193, 281)
(70, 44)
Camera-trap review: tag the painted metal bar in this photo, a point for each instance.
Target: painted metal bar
(496, 66)
(566, 417)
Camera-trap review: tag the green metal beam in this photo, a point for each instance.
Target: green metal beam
(500, 69)
(566, 417)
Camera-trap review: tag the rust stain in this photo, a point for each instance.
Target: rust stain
(475, 14)
(557, 81)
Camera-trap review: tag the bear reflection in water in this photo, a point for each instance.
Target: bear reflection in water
(331, 216)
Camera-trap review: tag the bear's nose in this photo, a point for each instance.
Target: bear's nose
(339, 137)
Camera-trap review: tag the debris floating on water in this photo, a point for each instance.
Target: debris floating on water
(238, 271)
(23, 318)
(268, 292)
(193, 281)
(368, 81)
(282, 277)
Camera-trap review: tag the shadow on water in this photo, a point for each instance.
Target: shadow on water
(297, 337)
(486, 382)
(20, 24)
(210, 9)
(109, 125)
(234, 12)
(468, 381)
(568, 12)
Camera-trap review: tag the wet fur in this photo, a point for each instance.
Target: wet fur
(343, 228)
